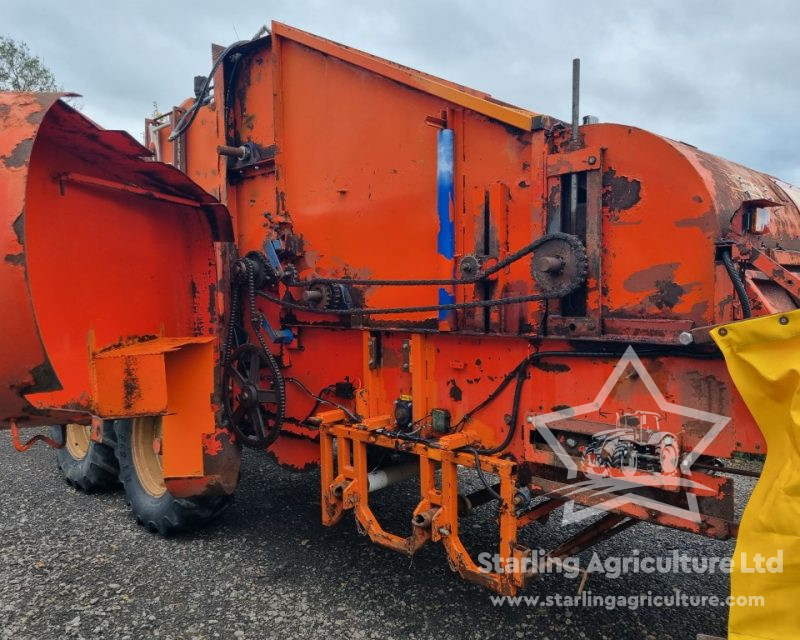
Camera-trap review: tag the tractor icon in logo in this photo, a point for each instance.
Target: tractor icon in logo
(638, 443)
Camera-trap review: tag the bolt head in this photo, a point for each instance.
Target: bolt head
(239, 269)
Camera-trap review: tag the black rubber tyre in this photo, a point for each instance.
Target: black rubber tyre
(92, 466)
(164, 513)
(625, 458)
(594, 465)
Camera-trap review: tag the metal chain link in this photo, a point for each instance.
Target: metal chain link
(235, 308)
(255, 319)
(364, 311)
(573, 241)
(562, 291)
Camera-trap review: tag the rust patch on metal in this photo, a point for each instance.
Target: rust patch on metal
(669, 294)
(37, 116)
(660, 277)
(553, 367)
(554, 203)
(455, 390)
(722, 307)
(698, 311)
(130, 384)
(620, 192)
(212, 300)
(20, 154)
(19, 227)
(645, 279)
(44, 379)
(706, 222)
(212, 444)
(124, 342)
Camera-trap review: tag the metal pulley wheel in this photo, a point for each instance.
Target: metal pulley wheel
(254, 396)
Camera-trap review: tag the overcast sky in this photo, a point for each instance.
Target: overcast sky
(723, 75)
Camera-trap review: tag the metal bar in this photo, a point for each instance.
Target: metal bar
(576, 94)
(91, 181)
(540, 511)
(603, 529)
(724, 469)
(467, 503)
(234, 152)
(779, 274)
(24, 446)
(393, 474)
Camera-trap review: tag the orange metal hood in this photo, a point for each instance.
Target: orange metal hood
(100, 247)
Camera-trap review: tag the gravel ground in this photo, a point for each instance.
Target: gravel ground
(73, 565)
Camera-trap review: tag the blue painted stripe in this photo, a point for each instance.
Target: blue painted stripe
(445, 297)
(445, 241)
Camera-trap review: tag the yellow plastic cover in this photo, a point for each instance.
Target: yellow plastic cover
(763, 358)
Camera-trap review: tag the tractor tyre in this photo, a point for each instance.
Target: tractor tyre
(85, 464)
(593, 464)
(140, 470)
(668, 457)
(626, 459)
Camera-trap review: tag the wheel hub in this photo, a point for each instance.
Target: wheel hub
(249, 396)
(77, 440)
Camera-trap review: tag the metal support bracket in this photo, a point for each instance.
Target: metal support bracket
(435, 518)
(22, 447)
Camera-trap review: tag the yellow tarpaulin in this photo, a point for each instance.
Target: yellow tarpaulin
(763, 358)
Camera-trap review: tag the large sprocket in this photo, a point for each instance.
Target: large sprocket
(254, 397)
(559, 264)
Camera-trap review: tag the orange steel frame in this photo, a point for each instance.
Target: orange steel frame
(347, 177)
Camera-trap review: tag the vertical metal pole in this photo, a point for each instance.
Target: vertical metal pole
(576, 95)
(573, 182)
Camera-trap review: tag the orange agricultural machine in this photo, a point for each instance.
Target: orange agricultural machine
(356, 266)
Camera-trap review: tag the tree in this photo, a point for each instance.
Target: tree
(22, 71)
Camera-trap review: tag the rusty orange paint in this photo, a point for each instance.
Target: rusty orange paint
(110, 270)
(347, 181)
(327, 129)
(24, 365)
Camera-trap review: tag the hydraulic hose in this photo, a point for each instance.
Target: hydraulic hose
(738, 285)
(185, 122)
